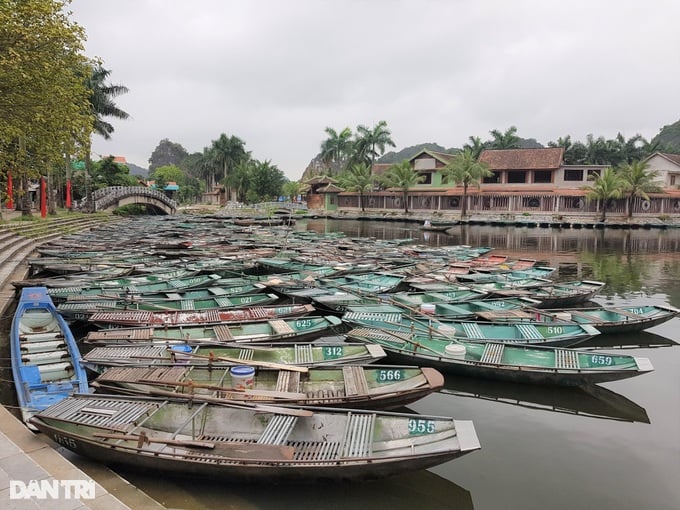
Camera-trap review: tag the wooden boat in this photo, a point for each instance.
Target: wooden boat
(550, 294)
(268, 355)
(437, 226)
(82, 310)
(614, 319)
(508, 362)
(173, 285)
(293, 329)
(473, 309)
(45, 358)
(452, 294)
(363, 387)
(138, 318)
(479, 275)
(253, 443)
(525, 333)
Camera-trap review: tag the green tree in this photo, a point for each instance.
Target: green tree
(402, 176)
(167, 153)
(166, 174)
(504, 140)
(240, 178)
(102, 106)
(108, 173)
(370, 143)
(227, 152)
(266, 180)
(336, 149)
(358, 178)
(605, 188)
(475, 145)
(638, 182)
(292, 189)
(466, 170)
(44, 110)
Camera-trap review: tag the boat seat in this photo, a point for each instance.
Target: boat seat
(281, 327)
(358, 438)
(472, 330)
(355, 381)
(223, 332)
(566, 358)
(288, 381)
(31, 376)
(223, 302)
(278, 429)
(187, 304)
(529, 331)
(304, 354)
(41, 337)
(493, 353)
(315, 450)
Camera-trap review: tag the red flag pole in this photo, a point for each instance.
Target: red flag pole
(10, 191)
(68, 194)
(43, 198)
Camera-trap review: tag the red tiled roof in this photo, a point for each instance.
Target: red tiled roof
(523, 159)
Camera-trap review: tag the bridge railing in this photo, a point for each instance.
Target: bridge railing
(280, 205)
(106, 197)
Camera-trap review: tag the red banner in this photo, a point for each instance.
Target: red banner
(10, 191)
(68, 194)
(43, 198)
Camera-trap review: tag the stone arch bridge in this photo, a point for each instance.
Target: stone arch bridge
(112, 197)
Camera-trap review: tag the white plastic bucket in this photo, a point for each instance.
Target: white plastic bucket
(455, 350)
(427, 308)
(242, 377)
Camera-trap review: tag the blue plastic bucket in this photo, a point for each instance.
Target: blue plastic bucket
(242, 377)
(181, 353)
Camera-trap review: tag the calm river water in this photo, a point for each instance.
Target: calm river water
(616, 446)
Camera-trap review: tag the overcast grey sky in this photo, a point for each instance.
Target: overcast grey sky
(276, 73)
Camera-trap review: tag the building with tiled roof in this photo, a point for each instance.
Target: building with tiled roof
(667, 166)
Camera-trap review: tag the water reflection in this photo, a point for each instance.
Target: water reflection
(592, 401)
(417, 490)
(642, 339)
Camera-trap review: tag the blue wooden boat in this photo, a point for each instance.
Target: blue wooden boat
(45, 357)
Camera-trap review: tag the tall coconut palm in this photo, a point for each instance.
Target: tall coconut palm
(466, 170)
(608, 186)
(358, 178)
(227, 152)
(404, 177)
(370, 143)
(506, 140)
(476, 145)
(102, 106)
(336, 148)
(638, 182)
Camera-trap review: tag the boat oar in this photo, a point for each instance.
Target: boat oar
(264, 364)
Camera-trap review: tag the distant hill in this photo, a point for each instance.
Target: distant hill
(138, 170)
(668, 138)
(406, 153)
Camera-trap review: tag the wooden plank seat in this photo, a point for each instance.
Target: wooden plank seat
(358, 438)
(355, 380)
(223, 332)
(278, 429)
(493, 353)
(288, 381)
(304, 354)
(472, 330)
(315, 450)
(529, 331)
(281, 327)
(566, 358)
(187, 304)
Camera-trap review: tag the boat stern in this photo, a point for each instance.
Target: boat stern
(644, 365)
(467, 436)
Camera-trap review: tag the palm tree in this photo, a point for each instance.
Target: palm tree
(466, 170)
(370, 143)
(227, 152)
(476, 145)
(638, 182)
(358, 178)
(102, 105)
(402, 176)
(505, 140)
(608, 186)
(336, 148)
